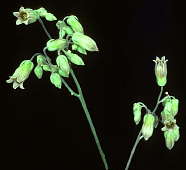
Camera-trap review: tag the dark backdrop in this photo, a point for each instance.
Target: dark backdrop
(45, 128)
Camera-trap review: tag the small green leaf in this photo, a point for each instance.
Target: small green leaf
(63, 64)
(38, 71)
(50, 17)
(55, 79)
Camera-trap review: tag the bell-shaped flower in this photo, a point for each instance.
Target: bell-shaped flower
(25, 16)
(171, 133)
(21, 74)
(148, 126)
(161, 70)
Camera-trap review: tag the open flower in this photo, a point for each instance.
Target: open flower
(161, 70)
(25, 16)
(21, 74)
(171, 133)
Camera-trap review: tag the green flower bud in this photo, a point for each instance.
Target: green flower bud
(137, 112)
(56, 80)
(175, 104)
(25, 16)
(58, 44)
(148, 126)
(41, 60)
(63, 64)
(161, 70)
(21, 74)
(60, 24)
(67, 30)
(79, 49)
(84, 41)
(50, 17)
(176, 133)
(46, 67)
(63, 73)
(74, 58)
(41, 12)
(38, 71)
(75, 24)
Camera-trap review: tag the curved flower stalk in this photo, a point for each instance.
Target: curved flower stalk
(151, 118)
(70, 41)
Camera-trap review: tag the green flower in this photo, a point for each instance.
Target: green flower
(161, 70)
(137, 112)
(25, 16)
(21, 74)
(171, 133)
(84, 41)
(148, 126)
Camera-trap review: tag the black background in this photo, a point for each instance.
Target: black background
(45, 128)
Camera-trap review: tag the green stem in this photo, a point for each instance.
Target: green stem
(44, 28)
(69, 88)
(139, 137)
(36, 54)
(81, 98)
(158, 101)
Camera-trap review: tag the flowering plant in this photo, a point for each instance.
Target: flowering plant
(71, 39)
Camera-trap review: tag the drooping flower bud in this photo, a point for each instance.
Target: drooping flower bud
(161, 70)
(75, 24)
(55, 79)
(38, 71)
(58, 44)
(50, 17)
(148, 126)
(63, 64)
(84, 41)
(41, 60)
(21, 74)
(137, 112)
(74, 58)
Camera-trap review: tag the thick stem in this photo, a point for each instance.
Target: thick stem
(87, 114)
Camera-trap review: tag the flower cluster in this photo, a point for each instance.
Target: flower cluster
(170, 110)
(71, 39)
